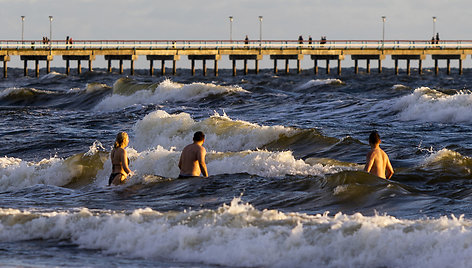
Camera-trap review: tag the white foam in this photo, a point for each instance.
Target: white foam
(221, 132)
(448, 160)
(429, 105)
(240, 235)
(166, 91)
(320, 82)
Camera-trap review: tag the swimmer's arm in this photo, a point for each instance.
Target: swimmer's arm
(369, 162)
(124, 160)
(389, 169)
(201, 162)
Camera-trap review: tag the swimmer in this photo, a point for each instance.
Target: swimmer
(377, 162)
(119, 160)
(192, 159)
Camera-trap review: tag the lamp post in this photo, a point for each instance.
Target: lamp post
(231, 28)
(50, 30)
(434, 26)
(22, 29)
(383, 30)
(260, 30)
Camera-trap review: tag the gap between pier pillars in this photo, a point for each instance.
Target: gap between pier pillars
(327, 58)
(163, 59)
(36, 59)
(204, 58)
(367, 58)
(245, 58)
(78, 58)
(121, 58)
(409, 58)
(297, 57)
(448, 58)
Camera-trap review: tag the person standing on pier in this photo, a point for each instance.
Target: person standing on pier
(437, 38)
(192, 159)
(246, 40)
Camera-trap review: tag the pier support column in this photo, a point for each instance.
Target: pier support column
(234, 67)
(275, 66)
(287, 68)
(256, 63)
(174, 67)
(448, 66)
(436, 67)
(48, 66)
(356, 66)
(327, 67)
(245, 67)
(368, 66)
(121, 66)
(408, 71)
(299, 68)
(79, 67)
(460, 67)
(36, 68)
(216, 68)
(339, 67)
(5, 60)
(25, 67)
(90, 67)
(67, 67)
(151, 67)
(109, 66)
(163, 67)
(380, 66)
(193, 67)
(396, 67)
(315, 68)
(132, 67)
(420, 67)
(204, 68)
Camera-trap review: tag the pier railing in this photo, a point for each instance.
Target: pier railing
(235, 44)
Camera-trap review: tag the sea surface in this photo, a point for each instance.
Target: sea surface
(285, 158)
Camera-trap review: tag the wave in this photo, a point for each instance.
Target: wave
(127, 92)
(447, 161)
(429, 105)
(221, 132)
(320, 82)
(241, 236)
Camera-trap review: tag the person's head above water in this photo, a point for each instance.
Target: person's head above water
(374, 138)
(198, 136)
(121, 138)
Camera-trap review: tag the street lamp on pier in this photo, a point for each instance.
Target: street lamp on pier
(434, 26)
(384, 18)
(231, 28)
(260, 30)
(22, 29)
(50, 31)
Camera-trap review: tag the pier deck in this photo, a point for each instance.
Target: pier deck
(236, 50)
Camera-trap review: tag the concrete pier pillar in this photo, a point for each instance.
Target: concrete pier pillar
(215, 69)
(109, 66)
(356, 66)
(256, 66)
(245, 67)
(234, 67)
(25, 67)
(132, 67)
(436, 67)
(380, 66)
(193, 67)
(287, 68)
(339, 67)
(121, 66)
(151, 67)
(204, 68)
(327, 67)
(163, 67)
(299, 68)
(420, 67)
(448, 66)
(408, 71)
(315, 68)
(36, 68)
(67, 67)
(48, 66)
(460, 66)
(275, 66)
(90, 67)
(396, 67)
(174, 67)
(5, 67)
(368, 66)
(79, 67)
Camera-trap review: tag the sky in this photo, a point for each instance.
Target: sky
(209, 19)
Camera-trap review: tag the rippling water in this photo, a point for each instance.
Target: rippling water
(285, 158)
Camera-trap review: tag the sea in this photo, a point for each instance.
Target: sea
(285, 155)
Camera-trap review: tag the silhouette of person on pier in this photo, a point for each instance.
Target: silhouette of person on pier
(246, 41)
(437, 38)
(310, 40)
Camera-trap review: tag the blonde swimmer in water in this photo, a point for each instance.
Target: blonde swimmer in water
(119, 160)
(377, 162)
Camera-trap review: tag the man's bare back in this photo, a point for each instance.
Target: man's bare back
(377, 162)
(192, 160)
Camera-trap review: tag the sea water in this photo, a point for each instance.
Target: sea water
(285, 155)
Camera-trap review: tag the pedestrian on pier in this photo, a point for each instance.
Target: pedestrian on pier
(437, 38)
(246, 40)
(310, 40)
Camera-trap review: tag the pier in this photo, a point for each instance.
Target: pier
(236, 51)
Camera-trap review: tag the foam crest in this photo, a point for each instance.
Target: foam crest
(127, 93)
(429, 105)
(240, 235)
(450, 161)
(320, 82)
(221, 132)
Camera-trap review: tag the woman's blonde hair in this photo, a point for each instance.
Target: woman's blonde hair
(120, 139)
